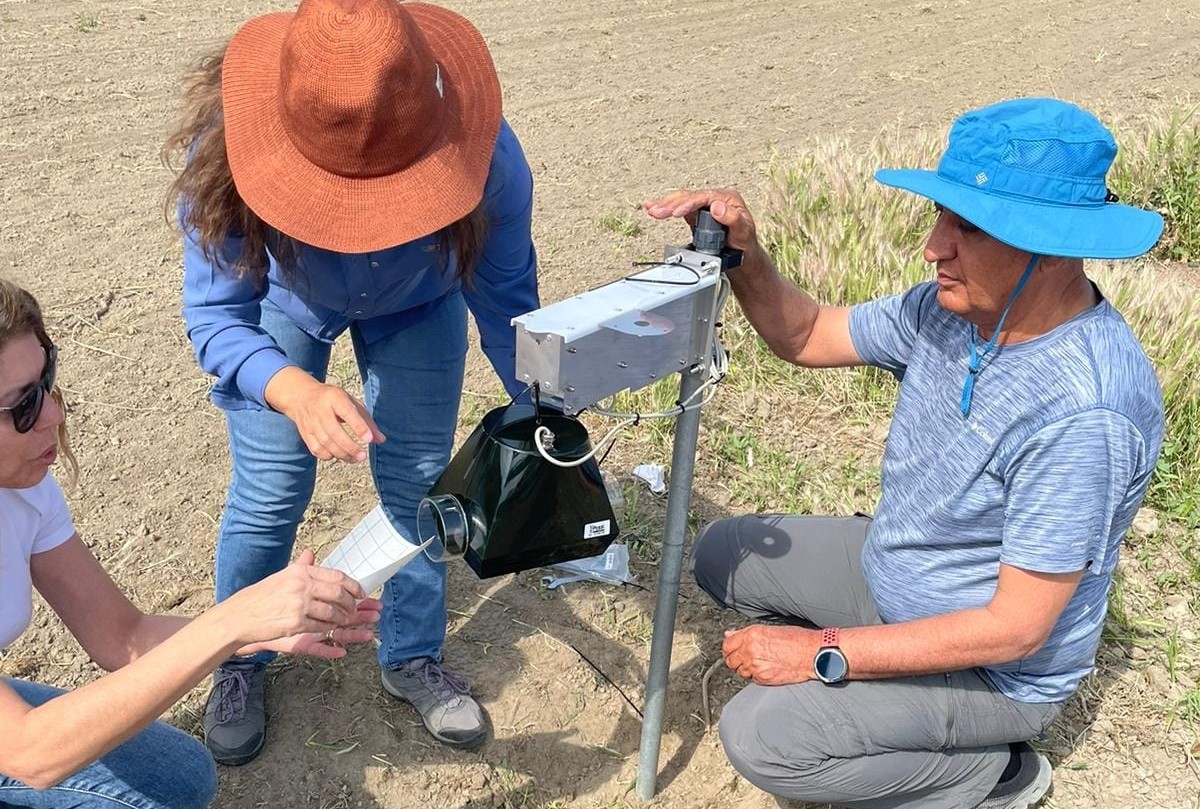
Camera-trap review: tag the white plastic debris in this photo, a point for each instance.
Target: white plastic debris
(653, 474)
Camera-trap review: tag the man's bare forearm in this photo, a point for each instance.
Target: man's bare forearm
(782, 314)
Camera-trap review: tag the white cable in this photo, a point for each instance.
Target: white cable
(541, 432)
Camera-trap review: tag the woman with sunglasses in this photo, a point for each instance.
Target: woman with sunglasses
(100, 746)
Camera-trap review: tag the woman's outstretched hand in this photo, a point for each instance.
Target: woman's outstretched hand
(302, 609)
(332, 643)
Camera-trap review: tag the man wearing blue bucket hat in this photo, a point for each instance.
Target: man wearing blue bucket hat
(921, 650)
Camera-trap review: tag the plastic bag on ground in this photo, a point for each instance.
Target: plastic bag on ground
(610, 567)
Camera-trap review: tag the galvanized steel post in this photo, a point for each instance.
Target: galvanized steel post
(670, 566)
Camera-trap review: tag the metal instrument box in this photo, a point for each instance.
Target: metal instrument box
(624, 335)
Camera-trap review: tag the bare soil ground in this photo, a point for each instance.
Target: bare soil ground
(614, 102)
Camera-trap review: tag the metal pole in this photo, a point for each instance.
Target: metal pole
(670, 565)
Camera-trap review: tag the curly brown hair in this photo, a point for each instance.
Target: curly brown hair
(214, 210)
(20, 315)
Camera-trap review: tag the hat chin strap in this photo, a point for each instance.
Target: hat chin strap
(975, 359)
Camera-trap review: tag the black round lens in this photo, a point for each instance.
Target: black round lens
(25, 413)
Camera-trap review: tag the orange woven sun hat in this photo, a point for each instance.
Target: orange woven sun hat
(358, 125)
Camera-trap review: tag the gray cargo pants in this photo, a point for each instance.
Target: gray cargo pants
(935, 742)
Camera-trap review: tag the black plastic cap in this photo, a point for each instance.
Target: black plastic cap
(708, 236)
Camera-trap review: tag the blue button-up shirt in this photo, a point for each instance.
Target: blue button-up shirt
(381, 292)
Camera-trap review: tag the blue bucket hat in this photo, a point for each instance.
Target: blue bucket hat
(1030, 172)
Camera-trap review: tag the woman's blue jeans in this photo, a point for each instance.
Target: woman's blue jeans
(412, 383)
(160, 768)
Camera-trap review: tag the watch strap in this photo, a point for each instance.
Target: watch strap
(829, 648)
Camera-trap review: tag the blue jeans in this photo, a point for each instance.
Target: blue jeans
(412, 384)
(160, 768)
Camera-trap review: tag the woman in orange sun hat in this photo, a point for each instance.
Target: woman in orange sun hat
(348, 169)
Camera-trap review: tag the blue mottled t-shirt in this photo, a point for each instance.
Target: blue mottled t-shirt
(1045, 474)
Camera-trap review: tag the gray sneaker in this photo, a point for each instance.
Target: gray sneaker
(235, 716)
(1024, 789)
(442, 699)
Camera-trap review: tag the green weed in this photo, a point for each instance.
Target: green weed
(621, 224)
(1187, 708)
(87, 21)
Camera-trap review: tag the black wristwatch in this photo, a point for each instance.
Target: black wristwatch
(829, 664)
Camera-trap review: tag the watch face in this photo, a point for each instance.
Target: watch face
(830, 665)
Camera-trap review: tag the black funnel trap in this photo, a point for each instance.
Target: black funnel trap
(504, 507)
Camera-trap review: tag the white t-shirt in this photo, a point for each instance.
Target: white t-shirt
(32, 520)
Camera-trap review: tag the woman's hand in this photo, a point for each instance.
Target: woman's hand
(300, 599)
(771, 655)
(332, 423)
(726, 206)
(330, 644)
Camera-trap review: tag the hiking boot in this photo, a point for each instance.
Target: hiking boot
(235, 716)
(442, 699)
(1026, 787)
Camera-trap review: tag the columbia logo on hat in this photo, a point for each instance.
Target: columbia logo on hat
(980, 178)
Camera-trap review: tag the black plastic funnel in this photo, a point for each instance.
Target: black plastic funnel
(504, 508)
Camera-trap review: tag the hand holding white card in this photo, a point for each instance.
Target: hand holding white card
(372, 552)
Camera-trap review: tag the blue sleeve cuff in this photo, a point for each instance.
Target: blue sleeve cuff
(256, 372)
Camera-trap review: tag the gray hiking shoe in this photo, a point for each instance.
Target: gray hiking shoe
(235, 716)
(442, 699)
(1024, 789)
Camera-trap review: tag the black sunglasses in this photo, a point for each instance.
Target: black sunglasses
(28, 408)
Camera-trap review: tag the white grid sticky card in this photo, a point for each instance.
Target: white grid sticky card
(373, 551)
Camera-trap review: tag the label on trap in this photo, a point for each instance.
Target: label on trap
(597, 529)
